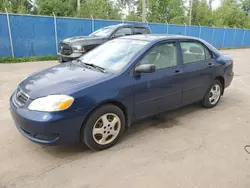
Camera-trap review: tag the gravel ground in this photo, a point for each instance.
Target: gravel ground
(190, 147)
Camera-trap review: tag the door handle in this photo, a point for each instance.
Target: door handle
(177, 71)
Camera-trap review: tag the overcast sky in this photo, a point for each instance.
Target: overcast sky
(216, 3)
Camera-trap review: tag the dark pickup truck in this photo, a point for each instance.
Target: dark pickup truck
(74, 47)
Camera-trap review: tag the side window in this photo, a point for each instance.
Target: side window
(208, 54)
(162, 55)
(140, 30)
(123, 32)
(194, 51)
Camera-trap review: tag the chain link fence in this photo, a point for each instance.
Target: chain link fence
(30, 35)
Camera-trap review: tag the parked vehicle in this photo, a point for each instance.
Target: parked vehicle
(95, 98)
(73, 48)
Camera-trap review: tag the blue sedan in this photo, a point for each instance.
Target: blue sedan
(95, 98)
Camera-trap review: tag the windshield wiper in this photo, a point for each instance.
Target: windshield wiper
(97, 67)
(93, 65)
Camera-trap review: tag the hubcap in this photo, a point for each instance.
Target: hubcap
(106, 129)
(214, 94)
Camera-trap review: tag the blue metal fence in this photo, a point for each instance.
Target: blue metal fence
(36, 35)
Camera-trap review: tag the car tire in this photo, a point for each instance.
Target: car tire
(104, 127)
(213, 95)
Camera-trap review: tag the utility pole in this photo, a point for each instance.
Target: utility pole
(78, 5)
(190, 11)
(144, 10)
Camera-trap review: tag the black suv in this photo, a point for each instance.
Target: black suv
(74, 47)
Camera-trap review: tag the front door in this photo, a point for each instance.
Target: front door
(198, 69)
(160, 90)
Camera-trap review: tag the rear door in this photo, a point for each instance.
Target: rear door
(198, 70)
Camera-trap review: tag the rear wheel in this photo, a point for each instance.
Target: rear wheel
(213, 95)
(103, 128)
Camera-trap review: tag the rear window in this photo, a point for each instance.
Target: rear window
(140, 30)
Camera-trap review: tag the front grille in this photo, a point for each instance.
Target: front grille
(65, 49)
(20, 98)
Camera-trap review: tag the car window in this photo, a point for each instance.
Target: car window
(115, 54)
(193, 52)
(123, 32)
(161, 55)
(103, 32)
(207, 54)
(140, 30)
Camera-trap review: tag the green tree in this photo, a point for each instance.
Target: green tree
(201, 13)
(16, 6)
(102, 9)
(133, 16)
(162, 11)
(229, 14)
(3, 4)
(245, 6)
(59, 7)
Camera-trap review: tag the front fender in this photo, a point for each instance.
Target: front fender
(114, 90)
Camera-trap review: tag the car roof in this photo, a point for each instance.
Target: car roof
(128, 24)
(155, 37)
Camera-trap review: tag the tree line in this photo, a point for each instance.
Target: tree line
(230, 13)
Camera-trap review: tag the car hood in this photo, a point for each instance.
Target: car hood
(83, 40)
(59, 79)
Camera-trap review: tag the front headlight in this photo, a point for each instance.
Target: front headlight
(78, 49)
(51, 103)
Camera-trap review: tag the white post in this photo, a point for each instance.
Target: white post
(10, 34)
(146, 21)
(185, 29)
(190, 11)
(243, 38)
(234, 35)
(55, 27)
(200, 31)
(167, 27)
(93, 24)
(143, 10)
(224, 37)
(213, 36)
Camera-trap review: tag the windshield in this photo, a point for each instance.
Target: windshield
(115, 54)
(103, 32)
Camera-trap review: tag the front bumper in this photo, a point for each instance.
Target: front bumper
(57, 128)
(64, 58)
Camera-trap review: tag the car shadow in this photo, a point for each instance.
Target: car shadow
(165, 120)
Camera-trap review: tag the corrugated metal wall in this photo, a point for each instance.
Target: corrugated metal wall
(35, 35)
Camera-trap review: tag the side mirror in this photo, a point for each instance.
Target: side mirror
(146, 68)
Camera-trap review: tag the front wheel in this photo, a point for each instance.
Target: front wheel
(103, 128)
(213, 95)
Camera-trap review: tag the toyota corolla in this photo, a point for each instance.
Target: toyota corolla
(95, 98)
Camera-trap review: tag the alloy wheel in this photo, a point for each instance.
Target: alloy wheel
(214, 94)
(106, 129)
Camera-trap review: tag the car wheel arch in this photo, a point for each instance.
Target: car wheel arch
(222, 81)
(107, 102)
